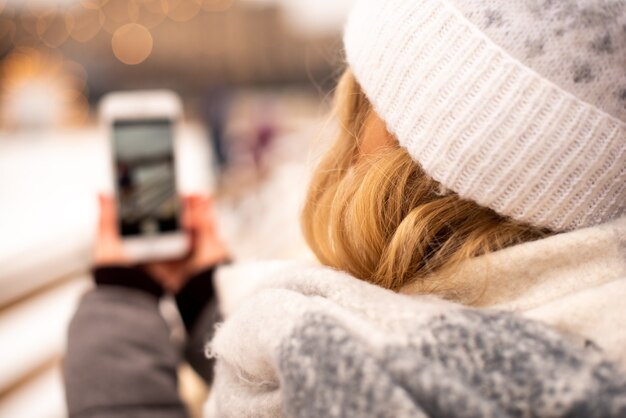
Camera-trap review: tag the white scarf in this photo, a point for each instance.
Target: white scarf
(575, 282)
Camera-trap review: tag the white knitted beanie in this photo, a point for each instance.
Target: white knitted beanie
(518, 105)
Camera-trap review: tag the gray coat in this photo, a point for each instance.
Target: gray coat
(120, 360)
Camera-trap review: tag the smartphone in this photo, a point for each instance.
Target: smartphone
(142, 130)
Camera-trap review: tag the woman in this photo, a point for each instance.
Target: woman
(481, 159)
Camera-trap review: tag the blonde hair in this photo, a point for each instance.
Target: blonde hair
(385, 221)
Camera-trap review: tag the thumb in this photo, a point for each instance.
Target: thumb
(107, 224)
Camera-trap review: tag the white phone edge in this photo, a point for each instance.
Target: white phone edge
(161, 247)
(139, 105)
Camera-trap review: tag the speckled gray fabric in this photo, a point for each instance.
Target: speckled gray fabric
(459, 364)
(580, 45)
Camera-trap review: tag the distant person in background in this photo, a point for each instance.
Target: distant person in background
(216, 109)
(264, 134)
(481, 163)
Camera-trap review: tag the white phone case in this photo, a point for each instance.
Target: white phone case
(139, 106)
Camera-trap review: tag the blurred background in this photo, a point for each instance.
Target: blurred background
(256, 79)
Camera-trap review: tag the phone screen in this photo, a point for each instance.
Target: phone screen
(146, 182)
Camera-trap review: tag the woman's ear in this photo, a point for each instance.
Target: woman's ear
(375, 137)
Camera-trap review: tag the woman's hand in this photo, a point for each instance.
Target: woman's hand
(108, 250)
(206, 248)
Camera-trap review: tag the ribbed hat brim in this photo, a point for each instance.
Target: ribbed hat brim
(482, 123)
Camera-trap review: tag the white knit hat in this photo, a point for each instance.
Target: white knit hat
(518, 105)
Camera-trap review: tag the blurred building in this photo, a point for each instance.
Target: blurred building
(174, 44)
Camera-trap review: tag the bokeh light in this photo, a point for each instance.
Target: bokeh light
(7, 31)
(93, 4)
(28, 22)
(52, 29)
(152, 12)
(215, 5)
(84, 22)
(119, 13)
(132, 44)
(41, 90)
(76, 76)
(155, 6)
(183, 10)
(38, 8)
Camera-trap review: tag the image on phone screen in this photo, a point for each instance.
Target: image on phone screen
(146, 182)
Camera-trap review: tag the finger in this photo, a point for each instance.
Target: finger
(197, 230)
(206, 213)
(107, 224)
(187, 215)
(188, 220)
(169, 274)
(195, 213)
(193, 224)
